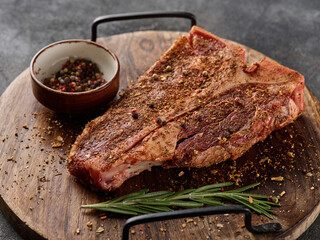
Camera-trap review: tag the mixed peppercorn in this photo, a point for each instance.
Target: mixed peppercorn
(76, 75)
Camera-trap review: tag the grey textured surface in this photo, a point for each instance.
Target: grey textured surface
(287, 31)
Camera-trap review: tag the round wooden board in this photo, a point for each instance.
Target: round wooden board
(42, 201)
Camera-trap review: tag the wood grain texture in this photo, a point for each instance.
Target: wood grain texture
(42, 201)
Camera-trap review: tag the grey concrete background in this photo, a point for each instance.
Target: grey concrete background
(287, 31)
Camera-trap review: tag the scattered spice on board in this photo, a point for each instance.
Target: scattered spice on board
(278, 179)
(100, 230)
(76, 75)
(60, 139)
(282, 193)
(56, 145)
(309, 174)
(78, 231)
(290, 154)
(89, 224)
(219, 225)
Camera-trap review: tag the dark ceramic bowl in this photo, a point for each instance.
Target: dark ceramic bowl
(50, 59)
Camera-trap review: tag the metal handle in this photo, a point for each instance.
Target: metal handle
(259, 229)
(139, 15)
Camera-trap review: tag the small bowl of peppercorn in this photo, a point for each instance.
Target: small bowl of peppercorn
(74, 76)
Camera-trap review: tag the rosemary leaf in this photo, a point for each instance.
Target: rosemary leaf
(117, 210)
(253, 195)
(218, 185)
(140, 210)
(273, 204)
(183, 192)
(186, 204)
(128, 196)
(156, 203)
(208, 201)
(244, 188)
(155, 194)
(156, 208)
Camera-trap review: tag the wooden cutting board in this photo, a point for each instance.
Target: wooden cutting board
(42, 201)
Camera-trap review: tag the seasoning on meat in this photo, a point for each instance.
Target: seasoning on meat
(159, 121)
(214, 105)
(135, 115)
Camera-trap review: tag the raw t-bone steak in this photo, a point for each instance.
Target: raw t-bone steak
(199, 105)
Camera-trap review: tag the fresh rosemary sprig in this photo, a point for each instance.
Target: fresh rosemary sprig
(144, 202)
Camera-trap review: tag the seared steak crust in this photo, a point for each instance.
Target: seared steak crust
(200, 104)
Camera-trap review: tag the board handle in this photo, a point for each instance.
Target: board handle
(138, 15)
(259, 229)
